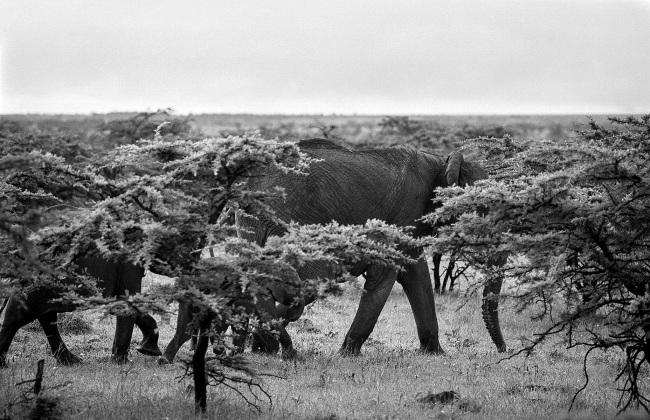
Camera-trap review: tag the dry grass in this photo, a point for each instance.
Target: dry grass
(384, 383)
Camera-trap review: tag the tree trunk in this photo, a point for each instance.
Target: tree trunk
(449, 276)
(198, 366)
(435, 258)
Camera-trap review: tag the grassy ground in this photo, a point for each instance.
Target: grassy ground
(384, 383)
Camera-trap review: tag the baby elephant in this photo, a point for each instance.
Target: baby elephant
(290, 307)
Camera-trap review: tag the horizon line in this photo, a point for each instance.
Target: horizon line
(333, 114)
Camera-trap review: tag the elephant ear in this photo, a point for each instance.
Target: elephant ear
(470, 172)
(452, 168)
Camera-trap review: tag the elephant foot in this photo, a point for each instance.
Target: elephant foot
(120, 359)
(149, 348)
(290, 354)
(264, 350)
(346, 352)
(67, 358)
(351, 347)
(438, 352)
(430, 348)
(163, 360)
(264, 343)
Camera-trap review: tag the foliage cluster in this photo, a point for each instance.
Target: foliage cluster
(430, 135)
(146, 125)
(82, 141)
(573, 220)
(168, 200)
(14, 139)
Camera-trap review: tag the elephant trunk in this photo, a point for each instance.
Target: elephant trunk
(490, 308)
(452, 170)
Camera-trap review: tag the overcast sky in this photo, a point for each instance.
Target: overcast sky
(335, 56)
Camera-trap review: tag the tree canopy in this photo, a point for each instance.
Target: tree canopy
(573, 219)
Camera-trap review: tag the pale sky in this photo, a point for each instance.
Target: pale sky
(336, 56)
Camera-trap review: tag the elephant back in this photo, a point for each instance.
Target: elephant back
(393, 184)
(316, 143)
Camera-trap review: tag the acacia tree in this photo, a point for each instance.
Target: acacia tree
(27, 189)
(162, 206)
(573, 220)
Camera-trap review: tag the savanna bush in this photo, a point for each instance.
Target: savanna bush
(572, 219)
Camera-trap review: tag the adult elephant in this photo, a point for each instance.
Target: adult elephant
(114, 279)
(395, 185)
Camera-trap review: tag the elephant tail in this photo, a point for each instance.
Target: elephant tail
(490, 308)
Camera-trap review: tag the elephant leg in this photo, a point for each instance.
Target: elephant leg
(287, 313)
(7, 335)
(263, 342)
(266, 307)
(18, 313)
(290, 305)
(16, 317)
(288, 351)
(122, 341)
(182, 334)
(239, 339)
(378, 285)
(59, 349)
(416, 281)
(149, 327)
(293, 312)
(282, 312)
